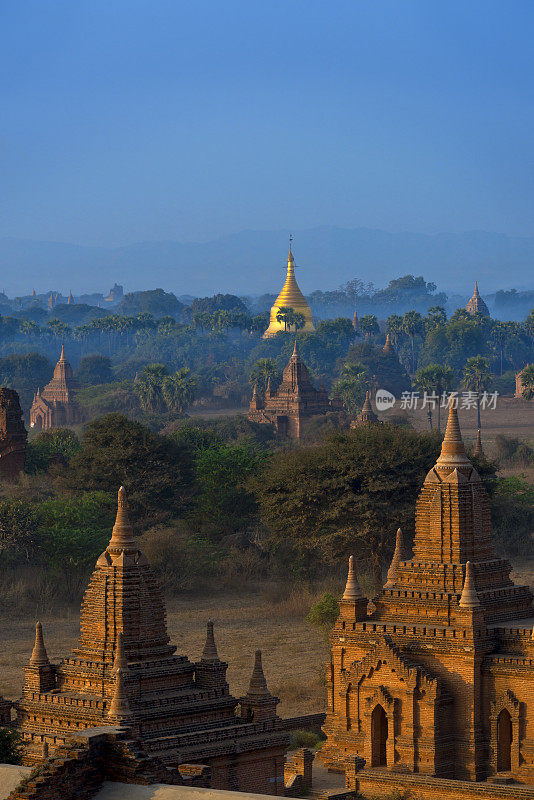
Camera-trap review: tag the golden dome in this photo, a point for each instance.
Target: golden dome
(290, 297)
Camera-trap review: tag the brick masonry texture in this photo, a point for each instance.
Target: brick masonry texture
(125, 672)
(56, 405)
(13, 435)
(295, 401)
(436, 679)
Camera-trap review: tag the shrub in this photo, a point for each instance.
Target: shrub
(324, 613)
(56, 445)
(305, 739)
(10, 746)
(513, 451)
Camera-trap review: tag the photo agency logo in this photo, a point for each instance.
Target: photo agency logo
(411, 401)
(384, 400)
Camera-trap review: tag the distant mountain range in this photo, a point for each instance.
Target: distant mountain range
(252, 262)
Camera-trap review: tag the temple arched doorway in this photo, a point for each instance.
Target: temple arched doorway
(379, 735)
(504, 741)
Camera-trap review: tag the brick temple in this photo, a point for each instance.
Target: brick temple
(476, 305)
(296, 400)
(124, 672)
(431, 687)
(56, 405)
(13, 435)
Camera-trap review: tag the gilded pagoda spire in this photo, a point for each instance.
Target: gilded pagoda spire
(289, 297)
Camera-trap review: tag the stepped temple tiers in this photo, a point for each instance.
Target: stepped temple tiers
(289, 297)
(389, 373)
(56, 405)
(124, 673)
(366, 416)
(476, 304)
(293, 402)
(433, 689)
(13, 435)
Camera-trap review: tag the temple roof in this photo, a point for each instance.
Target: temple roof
(476, 304)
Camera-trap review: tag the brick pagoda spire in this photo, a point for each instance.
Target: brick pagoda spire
(437, 679)
(124, 670)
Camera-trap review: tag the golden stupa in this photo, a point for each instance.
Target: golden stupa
(290, 297)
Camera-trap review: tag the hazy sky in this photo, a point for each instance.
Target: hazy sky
(128, 120)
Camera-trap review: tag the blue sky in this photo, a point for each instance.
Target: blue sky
(131, 120)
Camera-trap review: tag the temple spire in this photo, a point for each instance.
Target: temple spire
(39, 657)
(469, 598)
(352, 588)
(210, 648)
(395, 561)
(123, 535)
(295, 352)
(120, 662)
(258, 684)
(62, 356)
(453, 448)
(290, 259)
(119, 707)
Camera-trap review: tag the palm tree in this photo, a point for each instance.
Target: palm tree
(179, 390)
(527, 381)
(352, 386)
(290, 318)
(528, 326)
(413, 325)
(148, 386)
(501, 334)
(394, 327)
(435, 317)
(262, 370)
(435, 378)
(369, 325)
(477, 378)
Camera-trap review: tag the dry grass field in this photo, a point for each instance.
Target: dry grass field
(293, 651)
(274, 620)
(512, 417)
